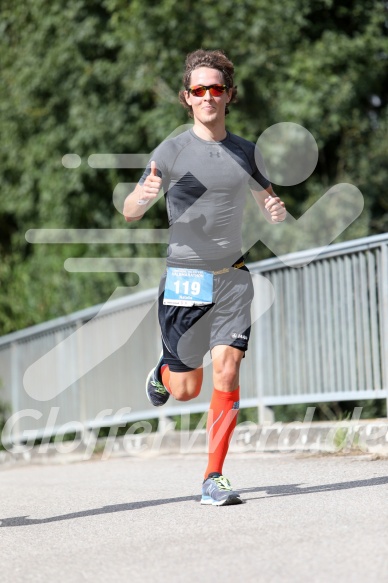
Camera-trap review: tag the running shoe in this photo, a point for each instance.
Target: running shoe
(216, 490)
(157, 393)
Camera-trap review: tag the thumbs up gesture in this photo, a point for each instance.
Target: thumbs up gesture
(152, 184)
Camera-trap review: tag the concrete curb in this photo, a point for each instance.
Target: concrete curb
(344, 437)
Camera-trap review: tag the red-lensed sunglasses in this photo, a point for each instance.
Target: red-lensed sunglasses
(215, 90)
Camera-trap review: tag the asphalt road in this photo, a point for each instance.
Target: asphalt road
(306, 518)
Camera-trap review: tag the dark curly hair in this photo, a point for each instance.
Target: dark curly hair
(214, 60)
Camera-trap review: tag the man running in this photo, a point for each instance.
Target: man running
(206, 293)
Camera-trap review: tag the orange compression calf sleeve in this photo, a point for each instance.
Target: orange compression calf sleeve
(165, 371)
(222, 419)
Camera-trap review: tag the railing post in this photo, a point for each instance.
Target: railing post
(81, 389)
(15, 387)
(384, 317)
(262, 368)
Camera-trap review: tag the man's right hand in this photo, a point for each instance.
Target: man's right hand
(136, 203)
(151, 185)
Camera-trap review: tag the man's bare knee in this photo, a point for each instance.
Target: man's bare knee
(226, 367)
(182, 394)
(186, 386)
(226, 379)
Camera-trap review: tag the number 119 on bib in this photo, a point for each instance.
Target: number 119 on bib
(188, 287)
(192, 288)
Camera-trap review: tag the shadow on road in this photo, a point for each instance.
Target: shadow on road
(272, 491)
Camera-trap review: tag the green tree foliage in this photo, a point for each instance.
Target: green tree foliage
(99, 76)
(333, 411)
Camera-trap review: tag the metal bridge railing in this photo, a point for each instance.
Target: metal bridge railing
(325, 338)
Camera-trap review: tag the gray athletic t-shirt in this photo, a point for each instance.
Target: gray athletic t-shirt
(205, 185)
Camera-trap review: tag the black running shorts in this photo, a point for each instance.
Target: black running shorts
(189, 332)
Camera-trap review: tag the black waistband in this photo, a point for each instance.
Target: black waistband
(237, 260)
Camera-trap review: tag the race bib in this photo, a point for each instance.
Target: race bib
(188, 287)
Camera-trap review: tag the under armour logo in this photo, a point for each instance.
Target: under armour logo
(211, 154)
